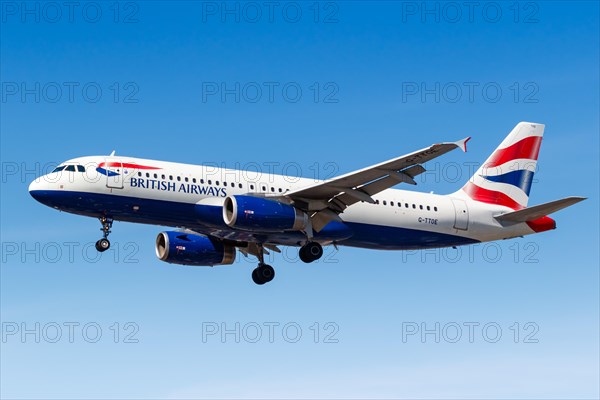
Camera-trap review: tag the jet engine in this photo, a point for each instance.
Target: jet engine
(190, 249)
(262, 215)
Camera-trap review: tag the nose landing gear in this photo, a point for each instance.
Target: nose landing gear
(103, 244)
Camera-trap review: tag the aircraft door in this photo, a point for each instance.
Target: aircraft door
(461, 212)
(115, 176)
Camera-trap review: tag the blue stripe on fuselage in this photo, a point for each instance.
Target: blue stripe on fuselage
(106, 172)
(205, 218)
(396, 238)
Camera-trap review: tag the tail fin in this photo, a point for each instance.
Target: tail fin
(506, 176)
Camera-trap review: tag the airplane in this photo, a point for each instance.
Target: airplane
(219, 211)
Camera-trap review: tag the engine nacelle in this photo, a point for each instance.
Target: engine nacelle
(189, 249)
(262, 215)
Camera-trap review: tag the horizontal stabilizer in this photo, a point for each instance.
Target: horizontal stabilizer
(535, 212)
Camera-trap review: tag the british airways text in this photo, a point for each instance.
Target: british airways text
(190, 188)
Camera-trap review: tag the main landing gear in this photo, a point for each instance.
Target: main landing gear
(103, 244)
(310, 252)
(263, 273)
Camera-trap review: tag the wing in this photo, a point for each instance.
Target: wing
(326, 200)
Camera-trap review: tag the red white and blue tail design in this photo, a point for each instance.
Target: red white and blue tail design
(506, 176)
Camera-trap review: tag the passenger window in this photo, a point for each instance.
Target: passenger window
(194, 180)
(385, 203)
(202, 181)
(186, 179)
(162, 176)
(170, 177)
(155, 176)
(264, 188)
(232, 184)
(178, 179)
(209, 182)
(139, 174)
(70, 168)
(428, 208)
(58, 169)
(376, 201)
(217, 183)
(251, 187)
(406, 205)
(391, 203)
(240, 185)
(421, 206)
(147, 175)
(434, 208)
(414, 206)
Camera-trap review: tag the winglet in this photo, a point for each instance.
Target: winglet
(112, 154)
(462, 144)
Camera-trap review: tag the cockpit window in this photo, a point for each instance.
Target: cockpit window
(70, 168)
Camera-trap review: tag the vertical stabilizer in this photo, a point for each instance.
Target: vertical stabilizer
(506, 176)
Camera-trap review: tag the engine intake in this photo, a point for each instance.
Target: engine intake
(262, 215)
(189, 249)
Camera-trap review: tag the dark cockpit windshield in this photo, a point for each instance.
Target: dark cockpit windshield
(70, 168)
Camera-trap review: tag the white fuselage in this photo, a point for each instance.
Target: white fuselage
(181, 195)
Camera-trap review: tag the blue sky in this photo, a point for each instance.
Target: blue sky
(376, 80)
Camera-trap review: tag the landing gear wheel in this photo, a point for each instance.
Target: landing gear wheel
(256, 278)
(262, 274)
(310, 252)
(304, 255)
(102, 245)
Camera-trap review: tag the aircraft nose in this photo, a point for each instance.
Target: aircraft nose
(38, 190)
(32, 186)
(34, 189)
